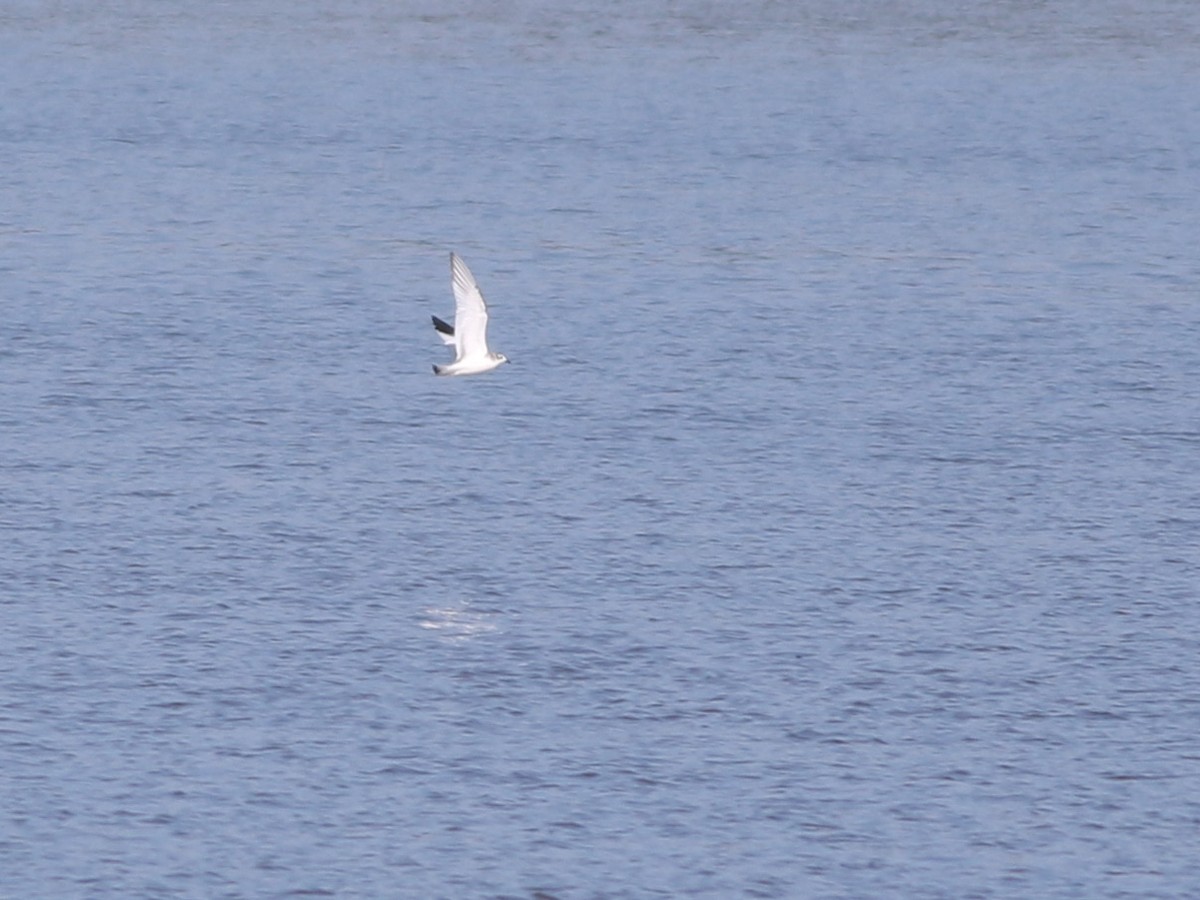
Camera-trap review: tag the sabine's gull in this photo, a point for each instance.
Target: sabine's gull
(468, 334)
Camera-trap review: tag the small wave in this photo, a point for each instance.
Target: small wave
(458, 622)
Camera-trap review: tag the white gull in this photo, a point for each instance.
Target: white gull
(468, 334)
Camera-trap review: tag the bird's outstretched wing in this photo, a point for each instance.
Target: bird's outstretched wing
(445, 331)
(470, 313)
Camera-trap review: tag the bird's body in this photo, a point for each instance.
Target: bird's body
(468, 334)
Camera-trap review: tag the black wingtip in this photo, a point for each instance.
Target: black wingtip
(435, 371)
(443, 327)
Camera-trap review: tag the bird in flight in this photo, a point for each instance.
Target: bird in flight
(468, 334)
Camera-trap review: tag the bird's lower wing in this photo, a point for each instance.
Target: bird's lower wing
(445, 331)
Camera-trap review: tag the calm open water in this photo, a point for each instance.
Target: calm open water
(835, 532)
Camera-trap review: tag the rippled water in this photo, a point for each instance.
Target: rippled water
(833, 533)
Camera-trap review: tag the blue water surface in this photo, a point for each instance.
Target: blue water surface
(833, 534)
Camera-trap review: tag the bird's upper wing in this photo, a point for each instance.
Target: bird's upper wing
(470, 312)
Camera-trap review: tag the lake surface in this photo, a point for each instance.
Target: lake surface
(834, 533)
